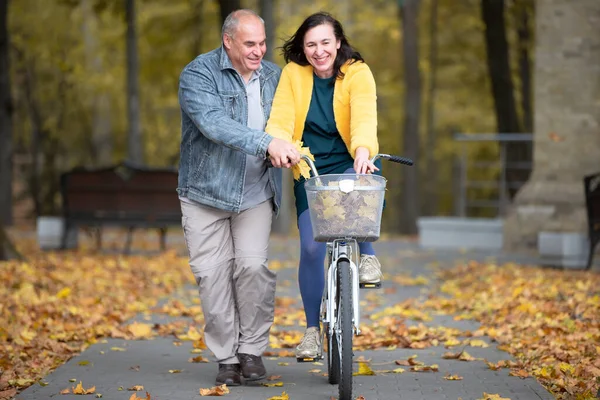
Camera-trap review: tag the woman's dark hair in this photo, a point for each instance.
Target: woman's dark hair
(293, 48)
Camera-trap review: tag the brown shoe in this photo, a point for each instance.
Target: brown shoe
(229, 374)
(253, 368)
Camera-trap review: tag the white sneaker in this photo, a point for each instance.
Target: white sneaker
(310, 346)
(369, 270)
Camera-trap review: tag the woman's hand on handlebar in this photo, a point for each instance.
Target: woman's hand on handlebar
(362, 162)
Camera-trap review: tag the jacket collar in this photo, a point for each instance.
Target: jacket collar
(224, 60)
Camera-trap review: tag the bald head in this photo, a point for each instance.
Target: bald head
(244, 41)
(235, 18)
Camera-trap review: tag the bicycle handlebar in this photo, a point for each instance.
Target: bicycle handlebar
(396, 159)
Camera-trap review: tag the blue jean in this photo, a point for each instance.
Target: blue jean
(311, 273)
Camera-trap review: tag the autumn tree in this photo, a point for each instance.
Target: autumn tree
(135, 148)
(493, 13)
(6, 248)
(227, 6)
(99, 102)
(6, 139)
(409, 12)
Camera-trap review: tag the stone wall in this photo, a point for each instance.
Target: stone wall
(567, 122)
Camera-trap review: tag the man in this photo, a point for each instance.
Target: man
(228, 194)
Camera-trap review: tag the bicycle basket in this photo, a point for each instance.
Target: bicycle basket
(345, 206)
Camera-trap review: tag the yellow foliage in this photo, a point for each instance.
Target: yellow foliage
(284, 396)
(364, 369)
(215, 391)
(302, 168)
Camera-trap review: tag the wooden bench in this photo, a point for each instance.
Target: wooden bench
(124, 195)
(592, 201)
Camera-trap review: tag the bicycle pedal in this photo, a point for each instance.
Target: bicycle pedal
(376, 285)
(308, 359)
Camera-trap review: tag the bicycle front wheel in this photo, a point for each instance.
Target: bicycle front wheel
(343, 332)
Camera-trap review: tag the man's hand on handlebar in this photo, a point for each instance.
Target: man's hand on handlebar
(283, 154)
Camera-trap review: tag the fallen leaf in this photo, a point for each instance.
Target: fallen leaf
(118, 349)
(215, 391)
(425, 368)
(363, 369)
(521, 373)
(487, 396)
(136, 388)
(464, 356)
(284, 396)
(274, 377)
(198, 359)
(8, 394)
(79, 389)
(140, 330)
(451, 356)
(65, 391)
(274, 384)
(453, 378)
(134, 396)
(63, 293)
(174, 371)
(478, 343)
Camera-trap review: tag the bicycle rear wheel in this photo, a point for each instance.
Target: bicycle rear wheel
(343, 335)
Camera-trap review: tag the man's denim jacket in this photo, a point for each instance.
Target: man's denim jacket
(214, 136)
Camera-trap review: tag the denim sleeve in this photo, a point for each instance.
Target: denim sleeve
(199, 99)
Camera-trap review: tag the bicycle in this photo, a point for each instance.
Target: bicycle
(340, 316)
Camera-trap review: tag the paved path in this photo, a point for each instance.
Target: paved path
(148, 362)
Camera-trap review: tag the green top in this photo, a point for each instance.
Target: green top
(323, 139)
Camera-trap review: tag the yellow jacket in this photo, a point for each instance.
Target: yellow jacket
(354, 105)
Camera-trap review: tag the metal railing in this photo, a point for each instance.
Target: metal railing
(466, 205)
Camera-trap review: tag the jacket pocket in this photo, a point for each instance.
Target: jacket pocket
(198, 165)
(231, 103)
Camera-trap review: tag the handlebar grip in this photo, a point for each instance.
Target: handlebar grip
(401, 160)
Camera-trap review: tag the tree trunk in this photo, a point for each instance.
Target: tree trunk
(492, 12)
(267, 14)
(409, 205)
(525, 44)
(102, 141)
(6, 139)
(134, 145)
(227, 6)
(34, 186)
(197, 28)
(430, 202)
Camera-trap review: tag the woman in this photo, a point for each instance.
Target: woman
(326, 99)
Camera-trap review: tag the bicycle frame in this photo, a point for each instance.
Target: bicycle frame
(337, 322)
(338, 250)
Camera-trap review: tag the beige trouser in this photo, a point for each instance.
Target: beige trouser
(228, 256)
